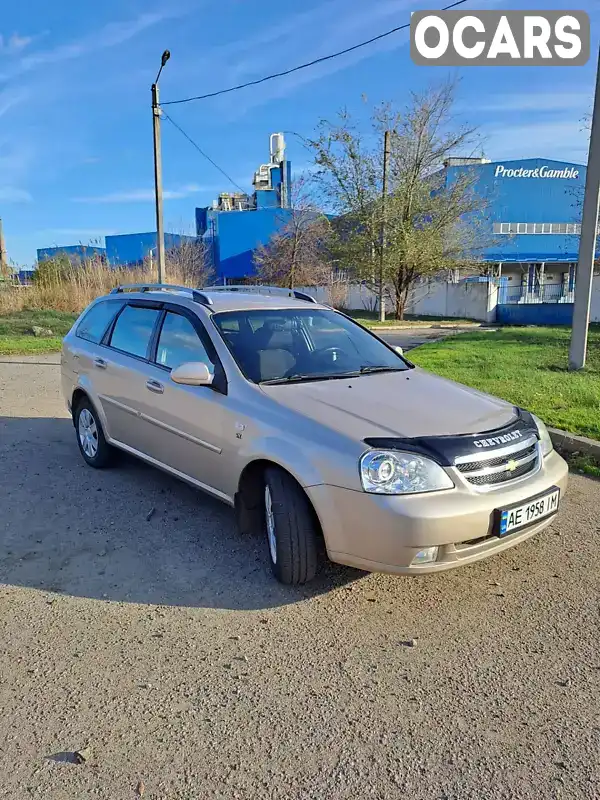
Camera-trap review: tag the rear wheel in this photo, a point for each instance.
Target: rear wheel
(291, 529)
(90, 437)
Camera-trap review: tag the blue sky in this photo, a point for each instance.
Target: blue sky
(75, 120)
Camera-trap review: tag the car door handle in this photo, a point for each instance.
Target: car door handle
(155, 386)
(100, 363)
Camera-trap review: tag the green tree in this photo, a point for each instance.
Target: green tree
(297, 254)
(424, 225)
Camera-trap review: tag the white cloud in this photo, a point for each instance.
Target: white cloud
(10, 98)
(111, 35)
(301, 37)
(532, 123)
(305, 36)
(10, 194)
(560, 101)
(257, 45)
(559, 139)
(14, 44)
(145, 195)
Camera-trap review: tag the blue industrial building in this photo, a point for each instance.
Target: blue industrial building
(237, 223)
(534, 215)
(121, 250)
(534, 212)
(131, 249)
(77, 252)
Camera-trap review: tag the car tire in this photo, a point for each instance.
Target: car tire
(291, 529)
(90, 436)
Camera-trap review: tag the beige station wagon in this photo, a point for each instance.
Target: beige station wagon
(312, 427)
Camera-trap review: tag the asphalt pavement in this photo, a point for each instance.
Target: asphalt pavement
(137, 626)
(409, 338)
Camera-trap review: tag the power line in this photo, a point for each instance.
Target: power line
(303, 66)
(202, 153)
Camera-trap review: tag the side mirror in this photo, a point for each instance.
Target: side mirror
(193, 373)
(399, 350)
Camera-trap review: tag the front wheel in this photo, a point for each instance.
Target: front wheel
(291, 529)
(90, 437)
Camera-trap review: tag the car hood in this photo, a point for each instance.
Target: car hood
(411, 403)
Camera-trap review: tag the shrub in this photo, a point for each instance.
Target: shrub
(65, 285)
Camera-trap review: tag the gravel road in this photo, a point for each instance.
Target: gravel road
(164, 646)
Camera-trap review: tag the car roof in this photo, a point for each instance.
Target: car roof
(238, 301)
(222, 300)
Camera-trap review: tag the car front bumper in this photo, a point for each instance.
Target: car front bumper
(384, 533)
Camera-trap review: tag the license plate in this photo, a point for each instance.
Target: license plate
(520, 515)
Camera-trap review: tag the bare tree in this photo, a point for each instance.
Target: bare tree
(297, 253)
(426, 224)
(188, 262)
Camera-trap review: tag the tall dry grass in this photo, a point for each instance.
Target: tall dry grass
(72, 286)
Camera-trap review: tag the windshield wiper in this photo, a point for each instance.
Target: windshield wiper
(329, 376)
(367, 369)
(299, 377)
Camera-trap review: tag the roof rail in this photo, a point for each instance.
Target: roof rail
(259, 289)
(196, 295)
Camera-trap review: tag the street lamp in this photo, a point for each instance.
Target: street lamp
(158, 190)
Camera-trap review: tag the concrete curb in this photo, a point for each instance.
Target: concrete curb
(464, 326)
(570, 443)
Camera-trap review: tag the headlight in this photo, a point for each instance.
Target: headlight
(389, 472)
(545, 440)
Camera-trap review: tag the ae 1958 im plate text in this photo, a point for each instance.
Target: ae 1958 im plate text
(520, 515)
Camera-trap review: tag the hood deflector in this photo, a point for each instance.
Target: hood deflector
(445, 449)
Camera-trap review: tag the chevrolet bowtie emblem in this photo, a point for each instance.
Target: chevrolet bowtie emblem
(512, 465)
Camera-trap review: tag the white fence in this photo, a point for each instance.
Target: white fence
(465, 299)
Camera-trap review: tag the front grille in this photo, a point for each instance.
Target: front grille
(514, 462)
(494, 462)
(501, 477)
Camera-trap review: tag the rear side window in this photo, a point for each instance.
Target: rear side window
(133, 330)
(230, 325)
(93, 326)
(178, 342)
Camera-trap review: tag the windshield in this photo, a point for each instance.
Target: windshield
(287, 345)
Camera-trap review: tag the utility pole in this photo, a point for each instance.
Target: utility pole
(384, 191)
(3, 261)
(158, 188)
(587, 242)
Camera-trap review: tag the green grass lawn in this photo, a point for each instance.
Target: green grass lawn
(370, 319)
(16, 336)
(528, 367)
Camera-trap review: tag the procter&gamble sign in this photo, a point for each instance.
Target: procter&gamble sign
(539, 172)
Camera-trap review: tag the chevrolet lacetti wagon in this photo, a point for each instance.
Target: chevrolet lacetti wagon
(310, 426)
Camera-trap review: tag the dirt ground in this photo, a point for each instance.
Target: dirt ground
(165, 647)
